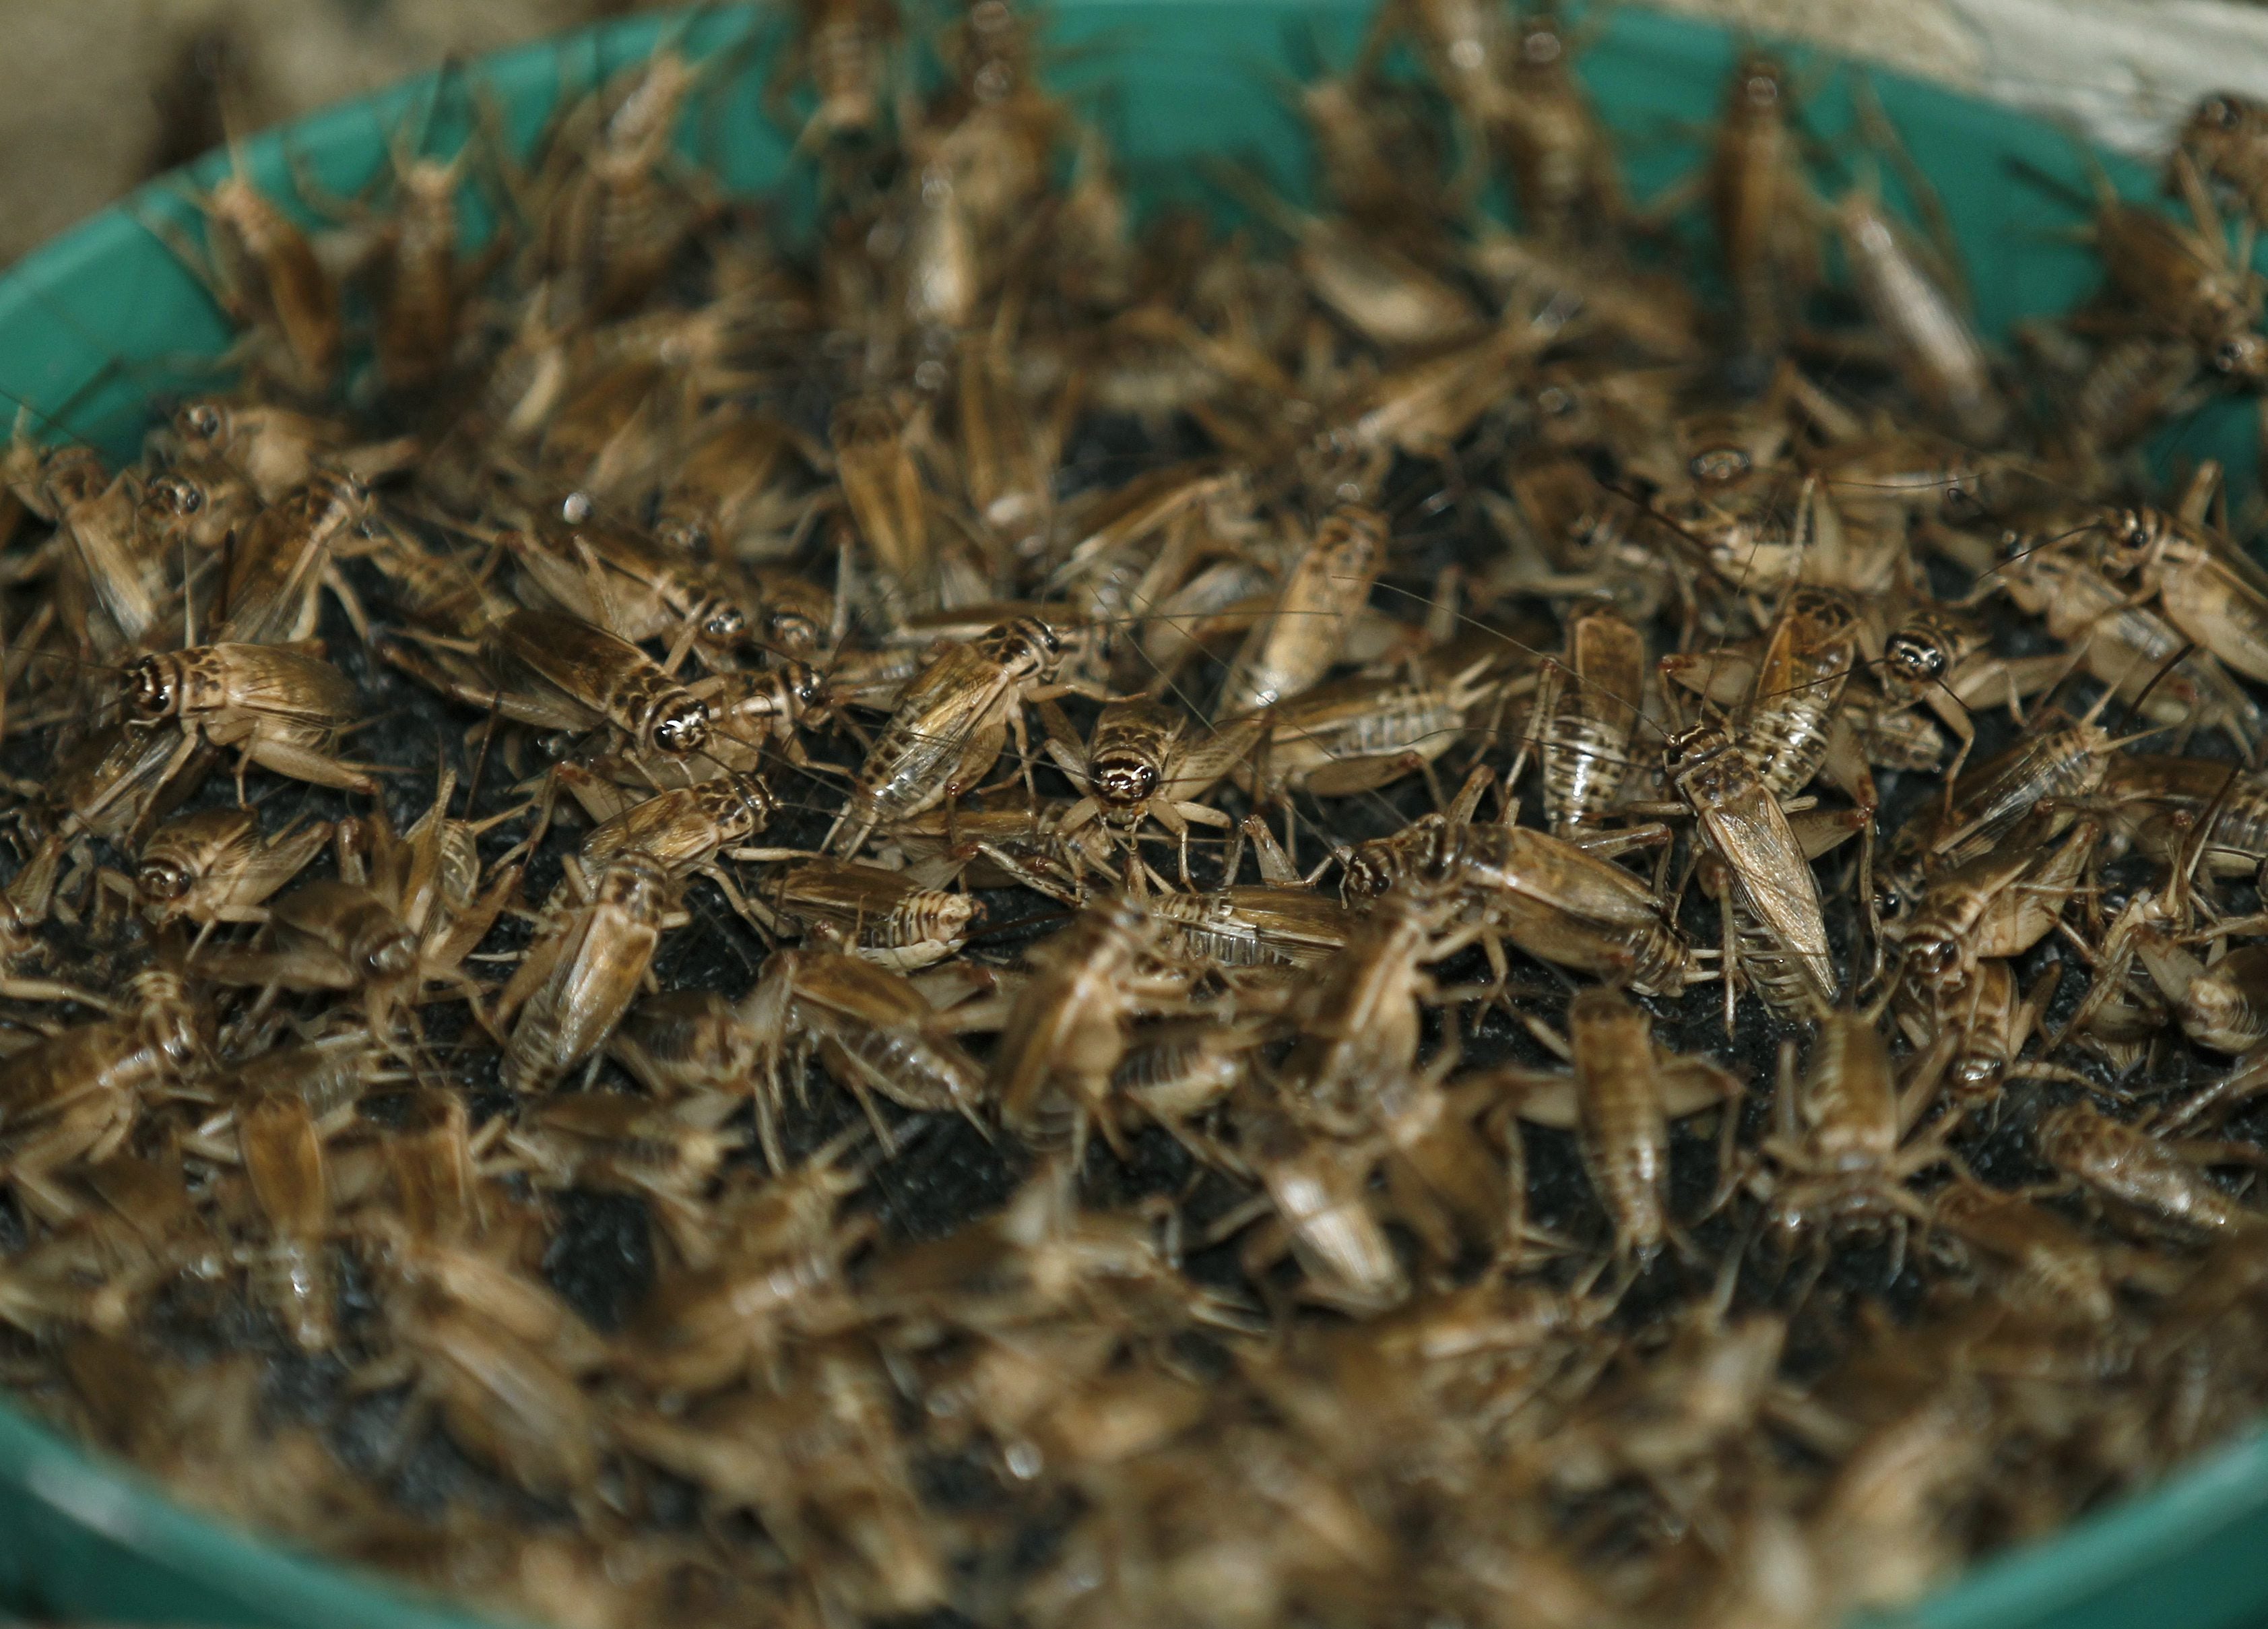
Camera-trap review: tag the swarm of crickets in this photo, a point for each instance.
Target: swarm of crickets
(1379, 920)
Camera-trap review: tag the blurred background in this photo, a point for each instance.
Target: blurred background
(97, 95)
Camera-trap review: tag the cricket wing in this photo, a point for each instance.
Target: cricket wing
(1775, 880)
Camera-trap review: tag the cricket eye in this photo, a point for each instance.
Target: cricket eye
(1916, 657)
(391, 957)
(1720, 464)
(148, 692)
(1127, 783)
(683, 728)
(164, 881)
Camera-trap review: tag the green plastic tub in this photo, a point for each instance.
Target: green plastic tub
(91, 324)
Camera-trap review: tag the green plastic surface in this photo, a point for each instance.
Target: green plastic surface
(92, 324)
